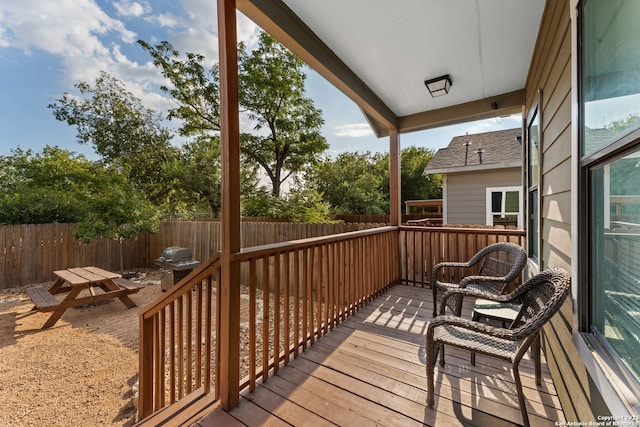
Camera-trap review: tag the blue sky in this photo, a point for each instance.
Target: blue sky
(48, 46)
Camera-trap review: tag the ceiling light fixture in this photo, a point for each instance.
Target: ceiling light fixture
(438, 86)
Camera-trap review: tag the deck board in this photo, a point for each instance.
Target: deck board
(370, 370)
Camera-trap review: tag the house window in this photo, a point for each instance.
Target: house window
(503, 206)
(533, 181)
(610, 179)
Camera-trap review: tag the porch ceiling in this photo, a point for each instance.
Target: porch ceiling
(379, 53)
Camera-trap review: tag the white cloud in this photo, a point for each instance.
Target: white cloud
(73, 30)
(131, 8)
(355, 130)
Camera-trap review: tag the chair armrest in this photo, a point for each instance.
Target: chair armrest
(465, 292)
(494, 331)
(473, 279)
(439, 266)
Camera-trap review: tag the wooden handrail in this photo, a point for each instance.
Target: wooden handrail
(259, 251)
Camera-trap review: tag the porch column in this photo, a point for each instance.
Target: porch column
(395, 210)
(229, 308)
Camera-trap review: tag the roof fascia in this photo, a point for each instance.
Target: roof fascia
(277, 19)
(505, 104)
(474, 168)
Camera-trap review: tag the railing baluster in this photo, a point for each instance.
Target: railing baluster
(309, 300)
(252, 324)
(265, 318)
(180, 336)
(296, 300)
(172, 353)
(198, 345)
(287, 309)
(305, 306)
(209, 346)
(189, 336)
(276, 311)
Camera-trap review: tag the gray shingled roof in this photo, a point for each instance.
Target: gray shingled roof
(499, 149)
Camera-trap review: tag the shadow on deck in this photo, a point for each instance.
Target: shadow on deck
(370, 370)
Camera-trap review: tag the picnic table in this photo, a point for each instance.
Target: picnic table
(102, 285)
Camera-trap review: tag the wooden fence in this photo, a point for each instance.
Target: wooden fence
(30, 253)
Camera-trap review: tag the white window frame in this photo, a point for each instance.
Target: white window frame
(503, 190)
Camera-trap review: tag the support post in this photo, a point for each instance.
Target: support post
(395, 210)
(228, 344)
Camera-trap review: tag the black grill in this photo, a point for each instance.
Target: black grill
(179, 260)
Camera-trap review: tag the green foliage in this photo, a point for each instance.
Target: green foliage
(305, 205)
(414, 184)
(42, 188)
(195, 88)
(358, 183)
(261, 202)
(194, 176)
(115, 209)
(351, 183)
(60, 186)
(123, 132)
(300, 204)
(619, 126)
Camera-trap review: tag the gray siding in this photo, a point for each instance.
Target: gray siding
(466, 193)
(551, 71)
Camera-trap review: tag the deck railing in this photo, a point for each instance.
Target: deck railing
(424, 247)
(291, 295)
(178, 341)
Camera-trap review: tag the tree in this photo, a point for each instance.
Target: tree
(351, 184)
(286, 136)
(414, 185)
(302, 203)
(123, 132)
(43, 188)
(115, 210)
(194, 86)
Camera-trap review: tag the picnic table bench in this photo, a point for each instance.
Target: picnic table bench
(102, 285)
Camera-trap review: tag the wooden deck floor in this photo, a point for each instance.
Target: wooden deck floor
(371, 371)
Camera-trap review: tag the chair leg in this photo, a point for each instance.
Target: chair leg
(535, 349)
(521, 400)
(431, 359)
(475, 318)
(434, 289)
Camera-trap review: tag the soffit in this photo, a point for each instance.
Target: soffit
(391, 47)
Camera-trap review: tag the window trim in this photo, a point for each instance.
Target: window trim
(611, 376)
(535, 112)
(489, 213)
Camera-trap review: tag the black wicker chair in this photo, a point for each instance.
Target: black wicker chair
(498, 265)
(541, 297)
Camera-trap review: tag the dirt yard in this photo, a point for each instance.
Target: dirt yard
(80, 371)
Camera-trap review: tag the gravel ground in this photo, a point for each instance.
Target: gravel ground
(77, 373)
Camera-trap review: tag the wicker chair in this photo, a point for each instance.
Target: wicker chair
(541, 297)
(498, 265)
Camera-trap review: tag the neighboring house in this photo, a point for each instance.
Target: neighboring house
(481, 178)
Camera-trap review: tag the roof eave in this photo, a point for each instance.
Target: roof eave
(473, 168)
